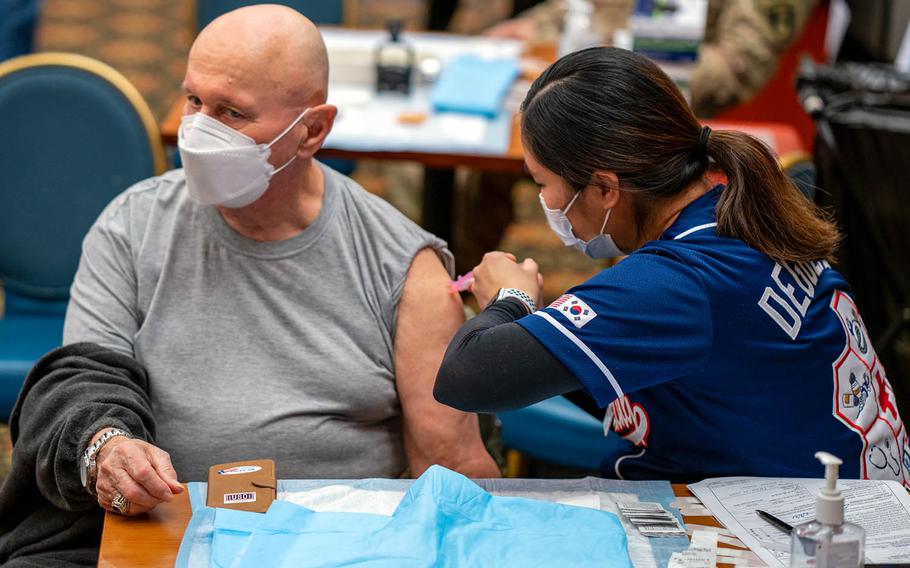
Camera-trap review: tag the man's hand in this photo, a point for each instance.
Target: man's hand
(500, 270)
(139, 471)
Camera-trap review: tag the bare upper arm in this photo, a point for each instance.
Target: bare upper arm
(428, 317)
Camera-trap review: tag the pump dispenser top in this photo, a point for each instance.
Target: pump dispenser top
(829, 504)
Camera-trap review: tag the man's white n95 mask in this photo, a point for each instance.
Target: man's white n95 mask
(224, 166)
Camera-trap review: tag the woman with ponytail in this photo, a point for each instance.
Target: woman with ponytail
(725, 343)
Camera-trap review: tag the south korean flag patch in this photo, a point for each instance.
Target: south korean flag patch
(576, 311)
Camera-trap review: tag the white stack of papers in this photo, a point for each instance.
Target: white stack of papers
(882, 508)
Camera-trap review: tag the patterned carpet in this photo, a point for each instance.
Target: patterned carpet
(147, 41)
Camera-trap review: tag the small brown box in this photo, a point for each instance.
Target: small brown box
(245, 485)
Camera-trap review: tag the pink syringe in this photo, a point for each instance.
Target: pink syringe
(462, 283)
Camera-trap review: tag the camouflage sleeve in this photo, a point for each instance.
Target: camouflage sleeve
(741, 50)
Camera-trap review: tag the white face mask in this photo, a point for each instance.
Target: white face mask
(223, 166)
(601, 246)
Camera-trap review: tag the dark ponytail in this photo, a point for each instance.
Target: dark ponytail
(762, 207)
(608, 109)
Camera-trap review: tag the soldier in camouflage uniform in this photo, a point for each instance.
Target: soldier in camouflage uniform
(743, 41)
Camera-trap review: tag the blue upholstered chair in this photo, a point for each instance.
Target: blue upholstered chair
(556, 431)
(76, 134)
(17, 26)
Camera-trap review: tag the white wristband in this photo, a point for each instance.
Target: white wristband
(526, 300)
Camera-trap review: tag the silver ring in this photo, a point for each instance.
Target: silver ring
(120, 504)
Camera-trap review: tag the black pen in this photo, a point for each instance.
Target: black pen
(775, 521)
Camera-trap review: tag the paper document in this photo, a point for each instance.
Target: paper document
(368, 121)
(345, 499)
(882, 508)
(702, 553)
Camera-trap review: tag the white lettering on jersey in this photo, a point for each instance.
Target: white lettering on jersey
(629, 420)
(864, 401)
(804, 275)
(789, 291)
(791, 323)
(784, 304)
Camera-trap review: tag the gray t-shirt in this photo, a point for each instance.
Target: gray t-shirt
(278, 350)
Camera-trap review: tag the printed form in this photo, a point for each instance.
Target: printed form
(882, 508)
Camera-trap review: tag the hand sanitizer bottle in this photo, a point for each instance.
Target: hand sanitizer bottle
(828, 541)
(394, 60)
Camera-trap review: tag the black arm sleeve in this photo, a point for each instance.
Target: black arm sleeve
(494, 364)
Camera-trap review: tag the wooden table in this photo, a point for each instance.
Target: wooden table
(147, 540)
(152, 540)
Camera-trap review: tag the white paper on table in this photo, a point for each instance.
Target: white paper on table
(882, 508)
(728, 554)
(367, 121)
(692, 527)
(461, 128)
(345, 499)
(702, 553)
(589, 501)
(381, 127)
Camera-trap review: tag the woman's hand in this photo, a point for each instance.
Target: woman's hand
(139, 471)
(501, 270)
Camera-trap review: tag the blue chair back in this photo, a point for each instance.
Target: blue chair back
(325, 12)
(17, 27)
(558, 432)
(77, 133)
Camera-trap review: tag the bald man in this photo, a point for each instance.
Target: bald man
(279, 309)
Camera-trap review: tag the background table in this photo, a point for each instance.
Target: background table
(152, 540)
(350, 60)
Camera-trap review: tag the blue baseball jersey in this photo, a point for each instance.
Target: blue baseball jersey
(713, 360)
